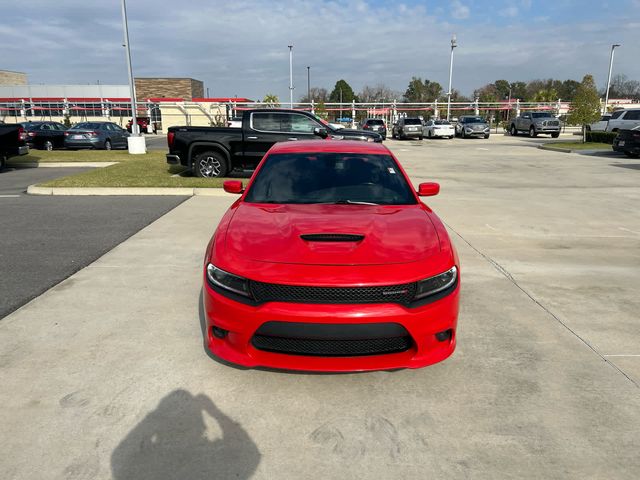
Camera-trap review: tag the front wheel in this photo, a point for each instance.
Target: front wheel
(514, 131)
(210, 165)
(48, 145)
(107, 145)
(532, 132)
(463, 134)
(486, 136)
(420, 137)
(555, 135)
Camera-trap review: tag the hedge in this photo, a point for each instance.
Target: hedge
(601, 137)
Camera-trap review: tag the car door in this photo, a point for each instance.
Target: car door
(267, 128)
(631, 120)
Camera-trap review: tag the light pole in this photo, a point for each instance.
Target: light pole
(606, 98)
(454, 44)
(290, 76)
(137, 143)
(309, 84)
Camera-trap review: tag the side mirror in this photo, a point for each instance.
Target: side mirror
(428, 189)
(321, 132)
(232, 186)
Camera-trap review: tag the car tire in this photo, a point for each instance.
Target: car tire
(451, 137)
(3, 162)
(487, 135)
(463, 134)
(430, 134)
(555, 135)
(532, 132)
(393, 135)
(210, 164)
(632, 155)
(513, 131)
(48, 145)
(420, 137)
(107, 145)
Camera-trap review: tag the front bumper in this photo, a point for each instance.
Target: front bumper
(241, 322)
(477, 133)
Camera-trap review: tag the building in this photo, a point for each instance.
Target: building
(183, 88)
(7, 77)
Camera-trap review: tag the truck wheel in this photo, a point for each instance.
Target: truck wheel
(532, 132)
(210, 165)
(555, 135)
(3, 162)
(514, 131)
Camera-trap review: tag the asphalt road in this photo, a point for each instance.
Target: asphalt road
(45, 239)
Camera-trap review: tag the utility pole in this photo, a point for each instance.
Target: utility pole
(606, 98)
(454, 44)
(309, 83)
(290, 76)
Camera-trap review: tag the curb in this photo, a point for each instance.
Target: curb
(148, 191)
(64, 164)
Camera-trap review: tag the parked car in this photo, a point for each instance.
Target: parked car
(472, 126)
(628, 142)
(13, 142)
(438, 128)
(624, 120)
(336, 126)
(302, 271)
(535, 123)
(601, 125)
(215, 151)
(376, 125)
(407, 128)
(45, 135)
(99, 135)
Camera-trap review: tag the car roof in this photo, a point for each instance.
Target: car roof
(330, 146)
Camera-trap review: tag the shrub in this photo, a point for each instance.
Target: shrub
(601, 137)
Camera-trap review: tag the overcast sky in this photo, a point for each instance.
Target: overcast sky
(240, 47)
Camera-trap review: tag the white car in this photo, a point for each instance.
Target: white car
(601, 125)
(624, 120)
(337, 126)
(438, 128)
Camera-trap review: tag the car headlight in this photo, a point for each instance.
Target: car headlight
(228, 281)
(371, 139)
(436, 284)
(539, 124)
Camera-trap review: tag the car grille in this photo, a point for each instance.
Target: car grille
(273, 292)
(332, 348)
(551, 123)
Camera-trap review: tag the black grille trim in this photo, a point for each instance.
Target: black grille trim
(332, 348)
(274, 292)
(332, 237)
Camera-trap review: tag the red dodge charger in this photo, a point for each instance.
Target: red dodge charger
(329, 261)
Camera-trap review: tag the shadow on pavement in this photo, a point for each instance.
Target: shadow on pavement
(173, 442)
(632, 166)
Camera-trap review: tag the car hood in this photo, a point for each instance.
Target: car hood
(390, 234)
(349, 134)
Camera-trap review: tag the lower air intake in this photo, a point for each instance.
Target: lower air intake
(332, 348)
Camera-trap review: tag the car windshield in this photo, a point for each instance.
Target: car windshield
(441, 122)
(375, 122)
(86, 126)
(540, 115)
(412, 121)
(349, 178)
(473, 120)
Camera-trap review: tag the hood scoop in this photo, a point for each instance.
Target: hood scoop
(332, 237)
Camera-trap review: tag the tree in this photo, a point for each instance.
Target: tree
(488, 93)
(546, 95)
(568, 90)
(342, 92)
(422, 92)
(622, 87)
(317, 95)
(502, 88)
(519, 90)
(272, 100)
(585, 107)
(379, 93)
(321, 111)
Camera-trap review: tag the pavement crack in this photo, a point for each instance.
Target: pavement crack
(508, 275)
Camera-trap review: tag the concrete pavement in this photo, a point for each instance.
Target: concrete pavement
(105, 375)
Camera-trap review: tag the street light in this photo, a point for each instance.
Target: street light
(135, 143)
(606, 98)
(454, 44)
(290, 76)
(309, 84)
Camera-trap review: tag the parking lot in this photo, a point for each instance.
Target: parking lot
(105, 375)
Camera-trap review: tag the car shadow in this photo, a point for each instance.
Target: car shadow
(203, 330)
(631, 166)
(173, 441)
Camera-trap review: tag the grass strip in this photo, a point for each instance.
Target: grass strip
(579, 145)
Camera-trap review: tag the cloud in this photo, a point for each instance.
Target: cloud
(460, 11)
(509, 12)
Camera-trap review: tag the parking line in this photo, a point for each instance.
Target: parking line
(9, 196)
(622, 355)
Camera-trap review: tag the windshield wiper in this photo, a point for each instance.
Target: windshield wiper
(347, 202)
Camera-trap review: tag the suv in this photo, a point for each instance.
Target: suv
(406, 128)
(472, 126)
(534, 123)
(624, 120)
(376, 125)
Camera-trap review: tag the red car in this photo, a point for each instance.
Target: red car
(330, 262)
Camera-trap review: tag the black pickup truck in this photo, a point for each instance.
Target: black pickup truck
(215, 151)
(13, 141)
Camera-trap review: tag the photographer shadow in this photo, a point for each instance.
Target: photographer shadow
(171, 442)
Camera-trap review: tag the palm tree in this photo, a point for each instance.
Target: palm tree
(272, 100)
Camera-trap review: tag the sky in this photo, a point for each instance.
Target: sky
(239, 47)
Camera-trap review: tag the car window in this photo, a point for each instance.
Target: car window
(412, 121)
(442, 122)
(45, 126)
(540, 115)
(615, 115)
(58, 126)
(375, 121)
(632, 115)
(283, 122)
(330, 178)
(87, 126)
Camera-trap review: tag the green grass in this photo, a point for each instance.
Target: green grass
(150, 170)
(42, 156)
(580, 145)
